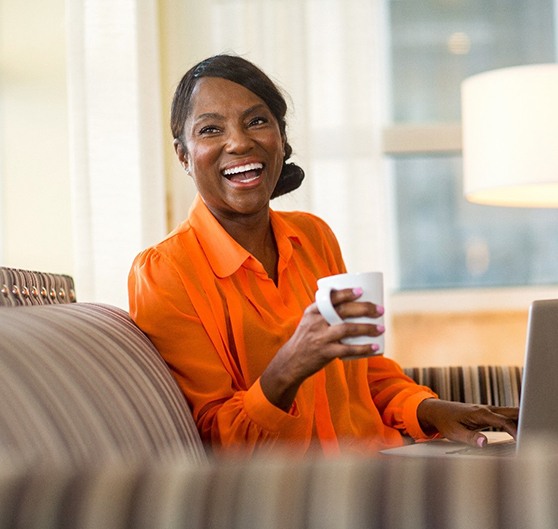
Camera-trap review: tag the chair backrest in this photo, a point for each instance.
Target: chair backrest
(25, 287)
(494, 385)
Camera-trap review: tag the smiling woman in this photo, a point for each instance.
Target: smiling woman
(231, 143)
(228, 296)
(260, 86)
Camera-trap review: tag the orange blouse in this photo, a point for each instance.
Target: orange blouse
(218, 319)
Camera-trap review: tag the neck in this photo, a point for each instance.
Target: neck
(256, 236)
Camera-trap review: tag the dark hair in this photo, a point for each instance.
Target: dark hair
(247, 74)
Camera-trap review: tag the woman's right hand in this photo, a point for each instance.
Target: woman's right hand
(315, 343)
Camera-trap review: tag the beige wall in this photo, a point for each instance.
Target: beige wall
(35, 214)
(454, 338)
(178, 53)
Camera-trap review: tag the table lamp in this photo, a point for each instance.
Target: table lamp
(510, 136)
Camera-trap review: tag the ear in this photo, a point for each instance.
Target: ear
(180, 151)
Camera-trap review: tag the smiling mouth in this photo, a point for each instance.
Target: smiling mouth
(244, 173)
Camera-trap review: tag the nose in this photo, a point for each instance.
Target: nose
(238, 140)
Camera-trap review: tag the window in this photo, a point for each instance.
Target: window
(443, 241)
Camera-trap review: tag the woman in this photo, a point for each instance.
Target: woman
(227, 297)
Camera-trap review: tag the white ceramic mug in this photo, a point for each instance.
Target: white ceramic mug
(372, 284)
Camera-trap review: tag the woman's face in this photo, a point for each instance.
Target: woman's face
(234, 148)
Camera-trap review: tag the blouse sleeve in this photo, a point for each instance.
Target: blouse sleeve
(225, 413)
(396, 395)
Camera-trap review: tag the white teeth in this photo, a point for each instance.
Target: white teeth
(243, 169)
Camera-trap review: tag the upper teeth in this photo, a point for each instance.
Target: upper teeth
(243, 168)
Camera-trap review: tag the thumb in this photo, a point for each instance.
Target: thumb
(469, 437)
(479, 440)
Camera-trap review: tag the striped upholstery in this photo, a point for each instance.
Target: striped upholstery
(495, 385)
(94, 432)
(279, 493)
(24, 287)
(79, 382)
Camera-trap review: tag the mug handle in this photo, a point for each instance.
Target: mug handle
(326, 308)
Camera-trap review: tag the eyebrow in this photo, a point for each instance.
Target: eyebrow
(215, 115)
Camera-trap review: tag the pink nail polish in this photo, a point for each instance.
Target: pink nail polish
(357, 291)
(380, 328)
(375, 347)
(380, 310)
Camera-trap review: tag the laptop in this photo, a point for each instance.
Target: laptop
(538, 413)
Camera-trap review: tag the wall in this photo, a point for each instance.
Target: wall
(457, 338)
(35, 212)
(178, 53)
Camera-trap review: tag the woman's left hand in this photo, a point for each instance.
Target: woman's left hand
(462, 422)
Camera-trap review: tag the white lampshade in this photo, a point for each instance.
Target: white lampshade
(510, 136)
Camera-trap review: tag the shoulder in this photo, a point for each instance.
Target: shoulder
(307, 224)
(163, 256)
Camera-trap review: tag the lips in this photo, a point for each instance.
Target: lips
(244, 173)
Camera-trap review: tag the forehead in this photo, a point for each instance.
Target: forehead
(221, 96)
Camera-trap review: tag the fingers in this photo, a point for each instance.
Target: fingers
(341, 350)
(506, 411)
(315, 343)
(350, 328)
(507, 424)
(476, 438)
(463, 422)
(502, 418)
(347, 305)
(337, 337)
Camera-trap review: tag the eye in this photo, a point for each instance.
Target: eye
(259, 120)
(209, 130)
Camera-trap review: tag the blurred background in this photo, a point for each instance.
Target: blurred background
(88, 175)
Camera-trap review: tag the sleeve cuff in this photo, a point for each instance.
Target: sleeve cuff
(262, 412)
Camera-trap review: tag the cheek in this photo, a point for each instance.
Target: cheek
(274, 143)
(202, 155)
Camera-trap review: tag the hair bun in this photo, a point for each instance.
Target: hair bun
(290, 179)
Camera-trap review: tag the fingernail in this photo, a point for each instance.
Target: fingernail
(481, 441)
(375, 347)
(380, 328)
(357, 291)
(379, 309)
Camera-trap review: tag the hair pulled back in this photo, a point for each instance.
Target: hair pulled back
(243, 72)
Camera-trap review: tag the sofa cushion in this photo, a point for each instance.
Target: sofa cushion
(80, 382)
